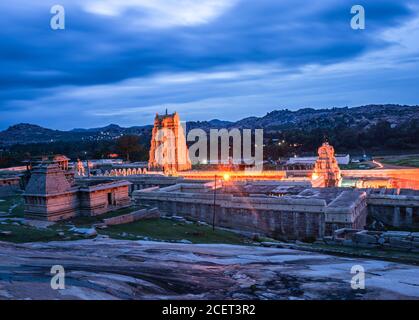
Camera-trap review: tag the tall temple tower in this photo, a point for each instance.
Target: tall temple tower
(168, 151)
(326, 170)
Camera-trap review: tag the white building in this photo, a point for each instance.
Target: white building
(342, 159)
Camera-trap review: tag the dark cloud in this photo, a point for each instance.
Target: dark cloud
(95, 49)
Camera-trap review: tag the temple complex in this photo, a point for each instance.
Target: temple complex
(326, 171)
(168, 151)
(277, 209)
(283, 204)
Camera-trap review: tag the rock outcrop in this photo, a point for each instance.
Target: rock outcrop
(110, 269)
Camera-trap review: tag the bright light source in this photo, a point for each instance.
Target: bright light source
(226, 177)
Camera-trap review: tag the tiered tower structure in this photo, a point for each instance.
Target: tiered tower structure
(49, 195)
(326, 170)
(168, 151)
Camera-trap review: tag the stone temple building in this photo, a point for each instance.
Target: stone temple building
(326, 171)
(168, 151)
(290, 210)
(51, 196)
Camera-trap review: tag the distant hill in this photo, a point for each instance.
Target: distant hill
(359, 118)
(28, 133)
(362, 117)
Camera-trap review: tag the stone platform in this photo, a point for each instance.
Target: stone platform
(111, 269)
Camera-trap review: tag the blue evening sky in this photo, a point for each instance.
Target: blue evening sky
(121, 61)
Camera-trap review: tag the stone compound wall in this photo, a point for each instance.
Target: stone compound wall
(143, 214)
(274, 223)
(145, 181)
(281, 218)
(339, 215)
(401, 211)
(9, 186)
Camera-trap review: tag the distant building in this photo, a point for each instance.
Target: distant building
(61, 160)
(342, 159)
(50, 195)
(168, 151)
(9, 184)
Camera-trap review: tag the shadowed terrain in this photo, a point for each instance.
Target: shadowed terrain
(113, 269)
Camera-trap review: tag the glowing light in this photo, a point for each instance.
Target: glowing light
(226, 177)
(113, 155)
(378, 164)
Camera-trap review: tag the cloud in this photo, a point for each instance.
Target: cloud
(162, 13)
(209, 59)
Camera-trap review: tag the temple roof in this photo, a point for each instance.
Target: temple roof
(47, 159)
(47, 179)
(166, 115)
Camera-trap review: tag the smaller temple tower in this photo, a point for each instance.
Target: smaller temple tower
(326, 170)
(49, 195)
(168, 151)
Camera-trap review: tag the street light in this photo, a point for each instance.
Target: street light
(215, 198)
(226, 177)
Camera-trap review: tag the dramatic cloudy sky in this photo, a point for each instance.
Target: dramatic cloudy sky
(120, 61)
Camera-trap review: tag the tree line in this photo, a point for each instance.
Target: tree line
(379, 137)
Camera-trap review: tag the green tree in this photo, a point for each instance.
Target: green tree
(128, 145)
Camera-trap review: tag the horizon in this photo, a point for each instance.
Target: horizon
(228, 59)
(215, 119)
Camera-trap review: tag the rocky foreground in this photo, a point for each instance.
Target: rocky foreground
(111, 269)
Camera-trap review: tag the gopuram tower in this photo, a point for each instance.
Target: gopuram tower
(168, 151)
(326, 170)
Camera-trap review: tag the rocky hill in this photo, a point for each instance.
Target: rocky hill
(361, 118)
(28, 133)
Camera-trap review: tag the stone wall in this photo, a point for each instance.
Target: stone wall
(142, 214)
(312, 213)
(401, 178)
(52, 207)
(340, 215)
(140, 182)
(96, 202)
(286, 217)
(401, 211)
(9, 186)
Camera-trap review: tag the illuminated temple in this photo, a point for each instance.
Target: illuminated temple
(326, 171)
(168, 151)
